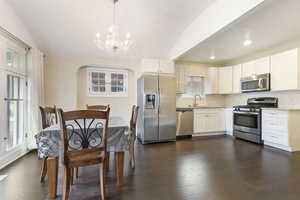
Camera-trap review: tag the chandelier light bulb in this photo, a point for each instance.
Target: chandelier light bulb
(112, 39)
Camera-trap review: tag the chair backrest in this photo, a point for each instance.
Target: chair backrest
(82, 129)
(134, 116)
(97, 107)
(49, 116)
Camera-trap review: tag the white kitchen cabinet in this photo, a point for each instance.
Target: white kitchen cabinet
(209, 121)
(180, 78)
(212, 81)
(166, 66)
(259, 66)
(158, 66)
(225, 80)
(236, 83)
(280, 129)
(150, 65)
(285, 71)
(248, 69)
(262, 65)
(229, 121)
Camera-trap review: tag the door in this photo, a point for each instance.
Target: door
(166, 66)
(262, 66)
(12, 120)
(284, 71)
(212, 81)
(225, 80)
(200, 122)
(229, 120)
(151, 108)
(167, 108)
(248, 69)
(3, 110)
(180, 79)
(15, 111)
(237, 74)
(150, 65)
(247, 122)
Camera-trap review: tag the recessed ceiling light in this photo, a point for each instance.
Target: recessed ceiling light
(247, 42)
(212, 57)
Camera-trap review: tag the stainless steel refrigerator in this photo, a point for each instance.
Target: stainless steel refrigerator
(157, 100)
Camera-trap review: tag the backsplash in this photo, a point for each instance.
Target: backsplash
(287, 99)
(210, 100)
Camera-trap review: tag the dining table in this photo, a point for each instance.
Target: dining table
(49, 146)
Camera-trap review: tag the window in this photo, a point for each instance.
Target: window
(108, 83)
(194, 85)
(15, 107)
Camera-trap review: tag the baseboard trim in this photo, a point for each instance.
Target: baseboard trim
(209, 134)
(183, 137)
(6, 160)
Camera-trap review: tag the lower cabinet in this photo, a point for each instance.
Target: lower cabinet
(209, 120)
(279, 129)
(229, 121)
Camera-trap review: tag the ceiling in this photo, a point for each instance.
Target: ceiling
(68, 27)
(273, 23)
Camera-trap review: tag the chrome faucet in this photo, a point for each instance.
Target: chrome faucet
(195, 100)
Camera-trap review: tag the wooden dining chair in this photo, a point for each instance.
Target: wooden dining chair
(97, 107)
(83, 143)
(49, 117)
(132, 137)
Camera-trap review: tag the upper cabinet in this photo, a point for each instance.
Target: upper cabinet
(225, 80)
(166, 66)
(259, 66)
(180, 78)
(211, 81)
(285, 71)
(158, 66)
(262, 66)
(150, 65)
(236, 83)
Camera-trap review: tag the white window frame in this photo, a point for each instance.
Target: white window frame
(107, 92)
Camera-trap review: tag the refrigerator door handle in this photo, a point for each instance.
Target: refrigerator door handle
(158, 102)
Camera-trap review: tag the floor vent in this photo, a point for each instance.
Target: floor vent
(2, 177)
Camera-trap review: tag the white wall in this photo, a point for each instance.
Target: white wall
(61, 84)
(10, 21)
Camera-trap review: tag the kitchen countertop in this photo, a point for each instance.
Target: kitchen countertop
(282, 108)
(198, 107)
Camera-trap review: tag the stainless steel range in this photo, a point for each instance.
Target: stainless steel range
(247, 118)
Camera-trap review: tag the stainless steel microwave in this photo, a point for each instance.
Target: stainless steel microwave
(256, 83)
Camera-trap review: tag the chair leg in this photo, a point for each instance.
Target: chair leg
(76, 172)
(67, 184)
(106, 163)
(72, 176)
(44, 170)
(132, 156)
(132, 159)
(102, 175)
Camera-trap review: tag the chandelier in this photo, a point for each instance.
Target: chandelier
(112, 40)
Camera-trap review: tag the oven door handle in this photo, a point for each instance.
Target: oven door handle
(245, 113)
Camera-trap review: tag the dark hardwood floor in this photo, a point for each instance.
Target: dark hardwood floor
(217, 168)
